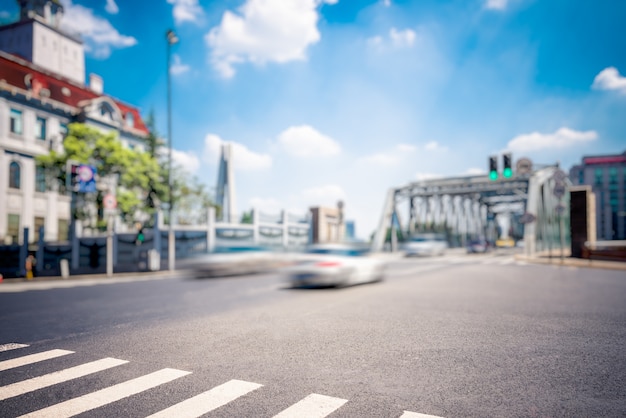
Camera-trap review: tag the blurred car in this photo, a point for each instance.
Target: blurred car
(425, 245)
(479, 245)
(335, 265)
(233, 260)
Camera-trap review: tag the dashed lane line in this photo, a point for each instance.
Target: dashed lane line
(209, 400)
(11, 346)
(25, 386)
(108, 395)
(32, 358)
(313, 406)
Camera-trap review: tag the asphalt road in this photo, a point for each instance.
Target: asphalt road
(457, 336)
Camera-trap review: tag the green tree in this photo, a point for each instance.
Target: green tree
(138, 174)
(246, 218)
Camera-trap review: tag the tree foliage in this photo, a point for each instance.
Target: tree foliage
(138, 175)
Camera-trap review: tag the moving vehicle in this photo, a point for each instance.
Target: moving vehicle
(478, 245)
(425, 245)
(335, 265)
(234, 260)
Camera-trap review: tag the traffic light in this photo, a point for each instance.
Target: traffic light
(140, 238)
(507, 171)
(493, 168)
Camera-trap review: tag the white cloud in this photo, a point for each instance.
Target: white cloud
(98, 33)
(187, 160)
(427, 176)
(562, 138)
(610, 79)
(178, 67)
(434, 146)
(396, 39)
(243, 158)
(186, 11)
(264, 31)
(327, 195)
(388, 158)
(475, 171)
(386, 3)
(268, 205)
(496, 4)
(402, 38)
(111, 7)
(306, 141)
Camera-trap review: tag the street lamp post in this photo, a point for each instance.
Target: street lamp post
(171, 242)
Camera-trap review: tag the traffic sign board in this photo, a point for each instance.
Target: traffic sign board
(527, 218)
(109, 202)
(559, 189)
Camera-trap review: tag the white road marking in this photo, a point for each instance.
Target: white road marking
(108, 395)
(44, 381)
(33, 358)
(409, 414)
(313, 406)
(11, 346)
(209, 400)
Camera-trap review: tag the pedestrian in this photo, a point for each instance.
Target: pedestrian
(31, 262)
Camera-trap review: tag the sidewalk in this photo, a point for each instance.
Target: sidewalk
(137, 274)
(572, 262)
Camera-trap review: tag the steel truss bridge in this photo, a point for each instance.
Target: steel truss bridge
(532, 207)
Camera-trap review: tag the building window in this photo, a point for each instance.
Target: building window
(39, 223)
(40, 128)
(13, 228)
(14, 175)
(16, 121)
(613, 175)
(40, 180)
(130, 120)
(63, 229)
(581, 177)
(63, 129)
(599, 174)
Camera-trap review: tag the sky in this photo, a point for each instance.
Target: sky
(328, 100)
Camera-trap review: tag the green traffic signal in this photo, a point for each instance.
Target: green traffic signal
(493, 175)
(507, 173)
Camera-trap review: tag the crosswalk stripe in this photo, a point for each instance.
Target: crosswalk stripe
(32, 358)
(11, 346)
(108, 395)
(209, 400)
(313, 406)
(44, 381)
(409, 414)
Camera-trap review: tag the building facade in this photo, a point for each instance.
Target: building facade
(42, 90)
(606, 174)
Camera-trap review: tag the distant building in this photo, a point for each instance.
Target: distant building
(350, 230)
(606, 174)
(42, 90)
(327, 224)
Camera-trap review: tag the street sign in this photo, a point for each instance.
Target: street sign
(523, 166)
(559, 176)
(109, 202)
(559, 189)
(86, 176)
(527, 218)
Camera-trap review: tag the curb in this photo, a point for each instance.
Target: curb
(574, 262)
(44, 279)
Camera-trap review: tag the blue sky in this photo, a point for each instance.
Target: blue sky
(328, 100)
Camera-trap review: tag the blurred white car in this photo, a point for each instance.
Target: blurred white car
(425, 245)
(335, 265)
(234, 260)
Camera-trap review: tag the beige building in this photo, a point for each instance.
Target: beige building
(327, 224)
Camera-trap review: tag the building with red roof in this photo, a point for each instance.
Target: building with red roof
(42, 90)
